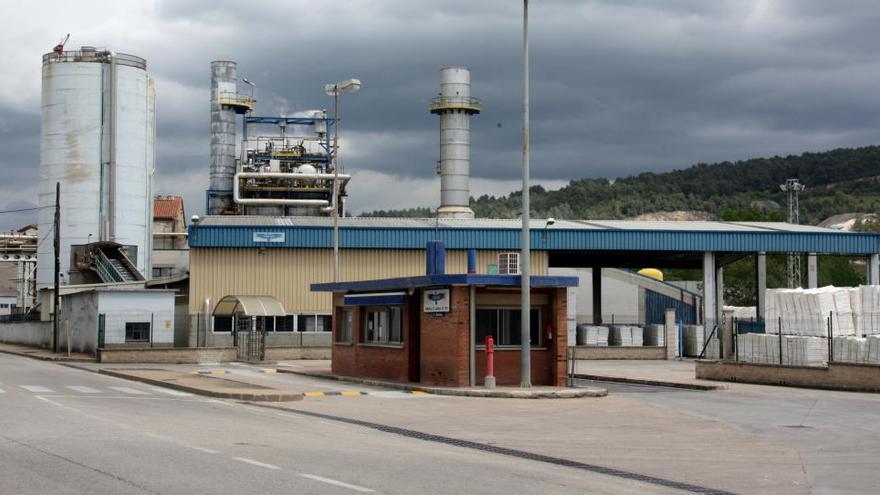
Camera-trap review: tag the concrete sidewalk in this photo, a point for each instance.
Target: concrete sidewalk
(498, 392)
(44, 354)
(671, 373)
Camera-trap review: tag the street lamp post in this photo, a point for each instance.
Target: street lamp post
(525, 379)
(347, 86)
(252, 85)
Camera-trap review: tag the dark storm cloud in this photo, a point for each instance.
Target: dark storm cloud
(618, 87)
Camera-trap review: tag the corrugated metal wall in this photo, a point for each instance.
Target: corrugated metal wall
(656, 305)
(287, 273)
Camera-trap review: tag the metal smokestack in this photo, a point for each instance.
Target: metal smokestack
(223, 82)
(455, 107)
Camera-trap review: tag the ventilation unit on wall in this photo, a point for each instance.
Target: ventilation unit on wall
(508, 263)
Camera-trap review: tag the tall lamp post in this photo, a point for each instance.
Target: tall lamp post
(525, 379)
(334, 90)
(252, 85)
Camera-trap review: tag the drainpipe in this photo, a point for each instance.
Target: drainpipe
(112, 168)
(472, 344)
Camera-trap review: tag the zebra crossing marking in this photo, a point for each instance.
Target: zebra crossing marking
(37, 389)
(169, 391)
(84, 390)
(132, 391)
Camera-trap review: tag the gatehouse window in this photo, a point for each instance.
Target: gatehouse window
(383, 325)
(503, 324)
(346, 325)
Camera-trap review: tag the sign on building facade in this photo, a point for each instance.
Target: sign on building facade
(435, 301)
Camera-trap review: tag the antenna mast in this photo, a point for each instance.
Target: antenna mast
(793, 188)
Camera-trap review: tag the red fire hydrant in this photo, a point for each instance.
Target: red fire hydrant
(489, 381)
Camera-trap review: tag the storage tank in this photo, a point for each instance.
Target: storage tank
(98, 139)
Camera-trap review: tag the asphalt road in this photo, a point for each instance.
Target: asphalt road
(65, 430)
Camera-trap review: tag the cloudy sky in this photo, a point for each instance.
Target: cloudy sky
(618, 86)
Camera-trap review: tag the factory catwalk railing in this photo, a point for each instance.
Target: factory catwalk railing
(468, 103)
(94, 55)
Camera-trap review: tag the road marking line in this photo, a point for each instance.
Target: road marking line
(256, 463)
(203, 449)
(218, 372)
(419, 392)
(50, 401)
(37, 389)
(313, 394)
(127, 390)
(169, 391)
(268, 372)
(330, 481)
(83, 389)
(2, 391)
(350, 393)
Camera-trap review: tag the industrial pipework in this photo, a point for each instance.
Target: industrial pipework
(287, 171)
(455, 105)
(285, 163)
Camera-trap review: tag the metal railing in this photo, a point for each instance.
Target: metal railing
(94, 55)
(18, 317)
(106, 271)
(236, 99)
(468, 103)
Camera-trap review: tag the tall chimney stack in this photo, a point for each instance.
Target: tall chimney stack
(223, 89)
(455, 107)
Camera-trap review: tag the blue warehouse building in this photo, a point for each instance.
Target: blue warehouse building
(281, 256)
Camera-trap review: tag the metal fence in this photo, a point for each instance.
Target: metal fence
(812, 340)
(32, 316)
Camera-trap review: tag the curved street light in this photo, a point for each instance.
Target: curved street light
(334, 90)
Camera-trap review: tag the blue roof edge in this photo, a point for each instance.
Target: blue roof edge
(241, 236)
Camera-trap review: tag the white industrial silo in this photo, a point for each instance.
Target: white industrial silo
(98, 140)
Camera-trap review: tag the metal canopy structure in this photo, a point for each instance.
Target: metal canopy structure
(443, 280)
(249, 306)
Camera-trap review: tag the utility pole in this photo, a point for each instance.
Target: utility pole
(793, 188)
(525, 379)
(56, 304)
(335, 200)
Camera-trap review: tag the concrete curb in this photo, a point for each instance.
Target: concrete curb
(43, 357)
(654, 383)
(256, 397)
(491, 393)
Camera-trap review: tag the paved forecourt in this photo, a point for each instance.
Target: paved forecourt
(131, 438)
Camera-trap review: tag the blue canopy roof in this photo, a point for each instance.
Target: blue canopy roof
(438, 280)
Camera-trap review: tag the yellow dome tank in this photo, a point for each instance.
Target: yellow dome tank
(652, 273)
